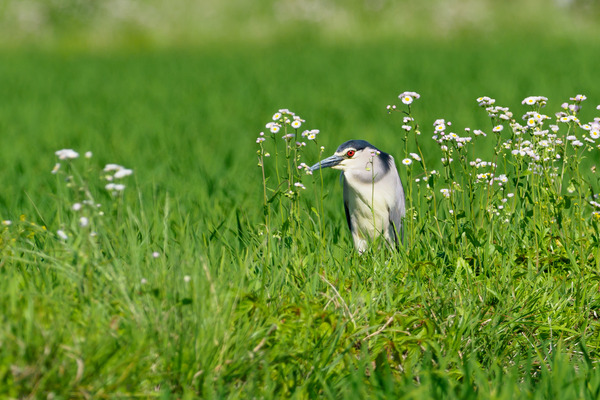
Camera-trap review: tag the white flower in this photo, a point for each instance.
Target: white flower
(156, 254)
(123, 172)
(595, 134)
(311, 135)
(498, 128)
(61, 234)
(531, 100)
(143, 281)
(408, 97)
(276, 116)
(407, 161)
(112, 167)
(83, 222)
(415, 156)
(56, 168)
(66, 154)
(298, 184)
(578, 98)
(116, 187)
(445, 192)
(274, 128)
(76, 207)
(88, 154)
(569, 118)
(485, 101)
(187, 278)
(260, 139)
(296, 124)
(7, 222)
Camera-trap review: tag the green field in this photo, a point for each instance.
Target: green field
(176, 288)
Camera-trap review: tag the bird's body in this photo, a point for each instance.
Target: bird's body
(373, 193)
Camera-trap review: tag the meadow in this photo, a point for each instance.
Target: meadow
(179, 286)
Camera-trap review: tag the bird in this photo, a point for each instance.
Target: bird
(373, 193)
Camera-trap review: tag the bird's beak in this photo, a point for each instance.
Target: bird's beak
(327, 163)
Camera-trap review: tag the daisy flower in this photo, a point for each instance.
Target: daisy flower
(408, 97)
(66, 154)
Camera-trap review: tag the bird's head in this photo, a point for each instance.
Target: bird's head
(353, 154)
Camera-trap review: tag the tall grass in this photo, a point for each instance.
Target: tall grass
(185, 285)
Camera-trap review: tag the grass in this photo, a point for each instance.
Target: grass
(225, 310)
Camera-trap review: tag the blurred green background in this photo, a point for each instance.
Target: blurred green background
(184, 22)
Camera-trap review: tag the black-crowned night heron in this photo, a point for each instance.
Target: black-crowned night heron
(373, 193)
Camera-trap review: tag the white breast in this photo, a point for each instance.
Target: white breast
(368, 205)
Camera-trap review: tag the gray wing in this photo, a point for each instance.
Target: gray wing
(397, 211)
(346, 209)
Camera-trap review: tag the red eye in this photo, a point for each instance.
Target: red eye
(350, 153)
